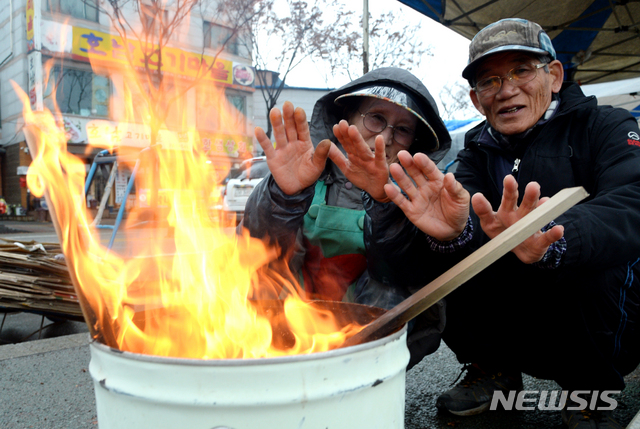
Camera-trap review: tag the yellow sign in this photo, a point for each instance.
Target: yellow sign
(30, 25)
(95, 45)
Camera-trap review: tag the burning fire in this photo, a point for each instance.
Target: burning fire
(192, 289)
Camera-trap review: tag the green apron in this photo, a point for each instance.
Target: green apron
(335, 253)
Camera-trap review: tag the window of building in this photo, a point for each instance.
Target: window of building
(153, 18)
(210, 117)
(217, 36)
(207, 108)
(83, 9)
(238, 113)
(171, 105)
(79, 92)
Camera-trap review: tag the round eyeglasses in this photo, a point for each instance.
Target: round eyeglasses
(376, 123)
(517, 76)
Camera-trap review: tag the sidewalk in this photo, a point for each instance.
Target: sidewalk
(11, 227)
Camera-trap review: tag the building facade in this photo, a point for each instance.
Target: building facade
(68, 57)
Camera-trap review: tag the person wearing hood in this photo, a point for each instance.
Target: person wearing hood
(565, 304)
(314, 211)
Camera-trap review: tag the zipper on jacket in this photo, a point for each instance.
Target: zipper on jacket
(516, 165)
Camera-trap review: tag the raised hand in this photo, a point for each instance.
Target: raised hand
(293, 162)
(436, 203)
(493, 223)
(363, 168)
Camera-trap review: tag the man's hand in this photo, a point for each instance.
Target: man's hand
(363, 168)
(436, 203)
(294, 163)
(493, 223)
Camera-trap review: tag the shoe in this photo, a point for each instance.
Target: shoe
(588, 419)
(474, 393)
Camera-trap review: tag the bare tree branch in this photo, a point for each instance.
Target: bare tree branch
(456, 101)
(281, 43)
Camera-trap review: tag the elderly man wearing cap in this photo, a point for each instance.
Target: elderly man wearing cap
(314, 211)
(564, 304)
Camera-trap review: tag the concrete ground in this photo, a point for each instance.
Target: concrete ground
(45, 383)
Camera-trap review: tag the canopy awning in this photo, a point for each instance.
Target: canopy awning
(596, 40)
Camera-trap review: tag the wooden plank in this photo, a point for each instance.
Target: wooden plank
(469, 267)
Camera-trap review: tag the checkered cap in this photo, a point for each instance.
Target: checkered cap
(511, 34)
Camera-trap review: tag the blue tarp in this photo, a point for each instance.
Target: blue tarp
(596, 40)
(454, 124)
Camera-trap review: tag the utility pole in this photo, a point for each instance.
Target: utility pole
(365, 37)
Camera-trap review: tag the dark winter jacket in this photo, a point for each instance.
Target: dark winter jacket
(580, 145)
(270, 212)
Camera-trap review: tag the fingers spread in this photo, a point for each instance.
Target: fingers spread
(358, 146)
(393, 192)
(264, 141)
(278, 127)
(403, 181)
(338, 157)
(289, 121)
(301, 124)
(428, 167)
(320, 154)
(380, 153)
(413, 167)
(455, 188)
(530, 198)
(405, 158)
(341, 131)
(509, 194)
(481, 206)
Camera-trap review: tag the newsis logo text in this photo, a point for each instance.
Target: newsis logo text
(557, 399)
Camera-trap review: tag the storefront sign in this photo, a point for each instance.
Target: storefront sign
(33, 12)
(85, 44)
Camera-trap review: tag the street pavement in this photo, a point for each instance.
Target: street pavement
(45, 381)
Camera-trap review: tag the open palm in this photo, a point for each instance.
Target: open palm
(493, 223)
(436, 203)
(363, 168)
(294, 163)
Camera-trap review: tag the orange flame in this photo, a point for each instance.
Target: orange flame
(185, 289)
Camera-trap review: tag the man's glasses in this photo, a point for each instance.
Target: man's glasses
(520, 75)
(376, 123)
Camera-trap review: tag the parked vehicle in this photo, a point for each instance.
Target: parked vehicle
(238, 189)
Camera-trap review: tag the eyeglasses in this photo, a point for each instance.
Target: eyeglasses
(376, 123)
(518, 76)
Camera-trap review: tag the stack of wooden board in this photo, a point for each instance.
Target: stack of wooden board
(34, 277)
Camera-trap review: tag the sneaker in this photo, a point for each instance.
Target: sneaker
(587, 419)
(474, 393)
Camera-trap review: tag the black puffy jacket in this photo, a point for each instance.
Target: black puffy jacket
(581, 145)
